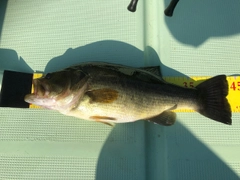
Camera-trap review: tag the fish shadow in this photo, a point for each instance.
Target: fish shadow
(110, 51)
(3, 7)
(132, 153)
(9, 60)
(194, 22)
(107, 51)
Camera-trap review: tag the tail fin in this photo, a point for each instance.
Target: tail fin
(212, 99)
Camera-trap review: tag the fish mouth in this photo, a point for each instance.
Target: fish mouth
(40, 93)
(40, 88)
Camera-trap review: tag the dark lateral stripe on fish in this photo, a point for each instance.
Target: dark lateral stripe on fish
(99, 118)
(102, 95)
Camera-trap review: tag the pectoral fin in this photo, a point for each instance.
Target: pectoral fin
(166, 118)
(102, 95)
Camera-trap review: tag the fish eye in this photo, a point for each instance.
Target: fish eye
(48, 76)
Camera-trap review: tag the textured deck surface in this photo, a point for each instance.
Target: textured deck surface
(201, 39)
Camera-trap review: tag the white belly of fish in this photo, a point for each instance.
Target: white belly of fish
(116, 112)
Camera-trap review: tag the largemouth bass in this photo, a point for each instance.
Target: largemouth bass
(112, 93)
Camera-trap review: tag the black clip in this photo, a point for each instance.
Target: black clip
(168, 11)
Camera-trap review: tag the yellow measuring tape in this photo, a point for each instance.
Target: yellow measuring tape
(233, 94)
(35, 76)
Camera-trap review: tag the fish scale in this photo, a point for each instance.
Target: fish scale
(190, 82)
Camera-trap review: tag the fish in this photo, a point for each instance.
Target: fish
(113, 93)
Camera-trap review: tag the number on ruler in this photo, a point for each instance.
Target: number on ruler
(188, 84)
(235, 86)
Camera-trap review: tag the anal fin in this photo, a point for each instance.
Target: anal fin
(166, 118)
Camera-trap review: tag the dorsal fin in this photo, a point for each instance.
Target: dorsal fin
(153, 69)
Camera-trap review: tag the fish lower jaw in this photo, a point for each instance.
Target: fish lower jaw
(42, 101)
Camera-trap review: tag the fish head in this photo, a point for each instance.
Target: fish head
(58, 90)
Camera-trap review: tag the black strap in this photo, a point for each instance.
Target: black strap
(15, 85)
